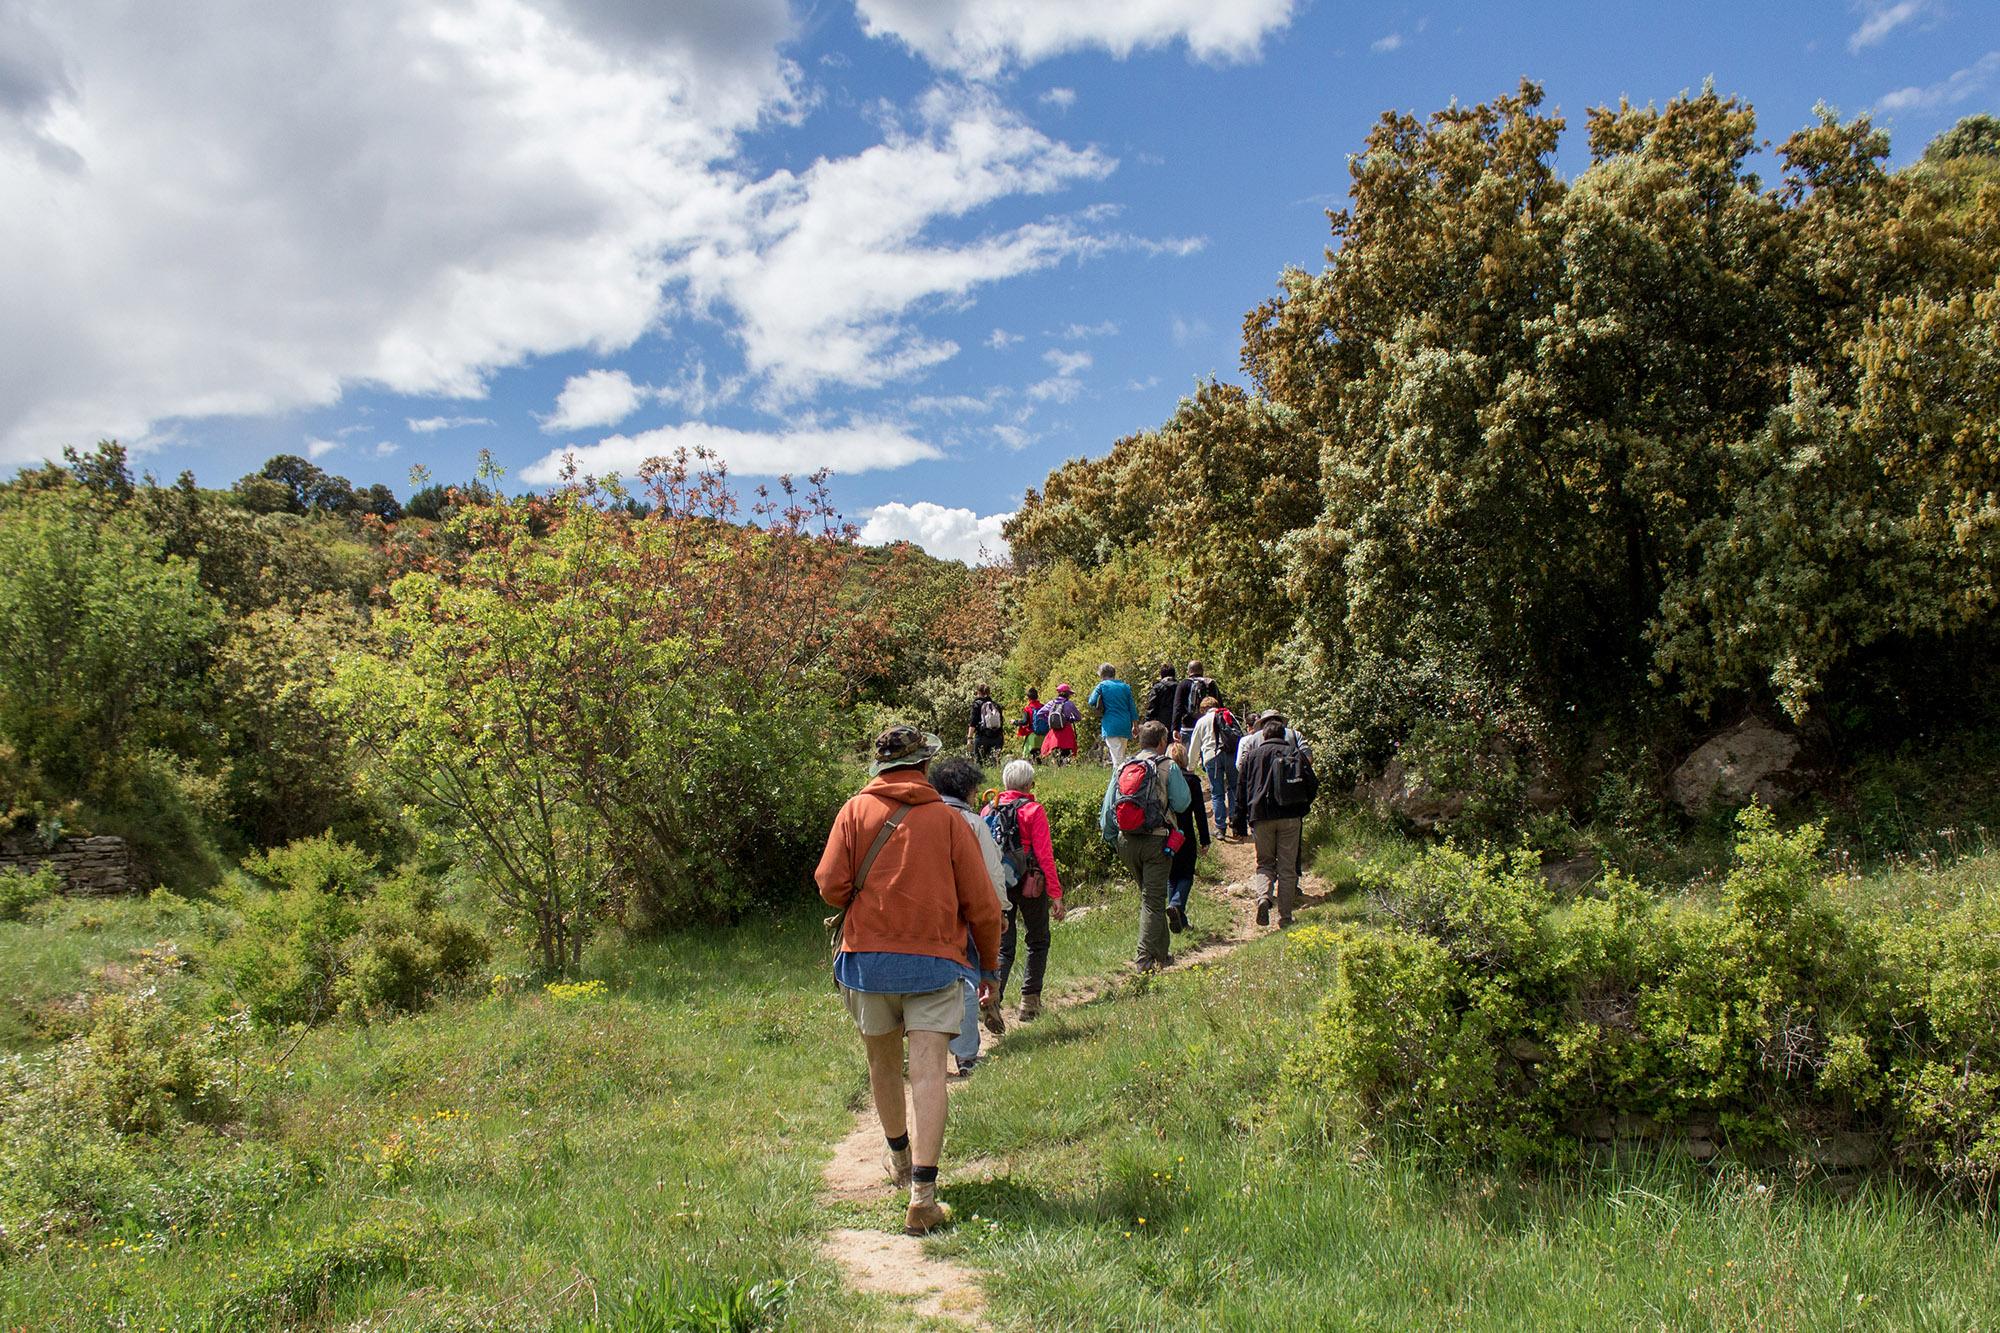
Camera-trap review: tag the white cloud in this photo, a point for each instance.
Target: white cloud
(1106, 329)
(832, 259)
(862, 447)
(1061, 389)
(1014, 437)
(1187, 331)
(1060, 98)
(1000, 340)
(595, 398)
(384, 448)
(1387, 43)
(320, 448)
(693, 392)
(984, 37)
(1064, 386)
(949, 534)
(1140, 386)
(260, 205)
(432, 425)
(256, 208)
(1882, 19)
(1949, 91)
(952, 404)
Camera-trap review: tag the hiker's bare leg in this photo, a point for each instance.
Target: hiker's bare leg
(885, 1081)
(927, 1093)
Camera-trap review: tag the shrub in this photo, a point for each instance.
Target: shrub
(587, 700)
(71, 1119)
(333, 938)
(1489, 1020)
(19, 891)
(299, 1280)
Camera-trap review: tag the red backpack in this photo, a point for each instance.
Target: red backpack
(1138, 807)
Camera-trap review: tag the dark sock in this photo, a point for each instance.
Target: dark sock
(923, 1174)
(900, 1142)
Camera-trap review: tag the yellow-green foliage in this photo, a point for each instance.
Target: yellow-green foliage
(76, 1120)
(1491, 1020)
(334, 938)
(20, 891)
(1074, 619)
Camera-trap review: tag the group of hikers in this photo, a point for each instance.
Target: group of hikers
(932, 891)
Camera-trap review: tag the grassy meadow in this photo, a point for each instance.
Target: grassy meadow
(640, 1149)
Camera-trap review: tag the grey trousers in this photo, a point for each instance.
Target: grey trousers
(1145, 856)
(1277, 874)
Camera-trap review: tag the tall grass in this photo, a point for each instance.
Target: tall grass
(1157, 1173)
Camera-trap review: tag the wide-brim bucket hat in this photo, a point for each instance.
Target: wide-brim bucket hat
(902, 746)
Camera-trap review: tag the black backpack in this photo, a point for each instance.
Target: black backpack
(1199, 688)
(1227, 734)
(1293, 782)
(1004, 819)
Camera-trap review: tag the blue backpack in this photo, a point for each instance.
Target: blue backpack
(1041, 720)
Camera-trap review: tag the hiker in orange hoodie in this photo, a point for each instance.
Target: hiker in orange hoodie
(912, 880)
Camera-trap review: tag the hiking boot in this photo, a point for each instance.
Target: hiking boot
(964, 1069)
(991, 1018)
(1176, 919)
(1031, 1007)
(1263, 913)
(897, 1164)
(924, 1218)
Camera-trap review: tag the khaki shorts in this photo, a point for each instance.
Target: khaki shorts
(933, 1011)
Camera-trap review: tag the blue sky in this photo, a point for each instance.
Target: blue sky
(937, 245)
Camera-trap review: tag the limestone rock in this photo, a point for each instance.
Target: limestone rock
(1751, 759)
(1409, 798)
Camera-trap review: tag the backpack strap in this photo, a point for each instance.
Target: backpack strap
(875, 849)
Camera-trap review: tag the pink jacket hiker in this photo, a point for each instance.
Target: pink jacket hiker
(1035, 837)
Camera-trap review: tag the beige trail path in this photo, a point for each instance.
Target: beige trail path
(941, 1290)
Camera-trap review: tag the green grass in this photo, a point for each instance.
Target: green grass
(1155, 1173)
(62, 949)
(533, 1161)
(650, 1159)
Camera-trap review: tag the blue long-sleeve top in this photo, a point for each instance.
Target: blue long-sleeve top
(1113, 698)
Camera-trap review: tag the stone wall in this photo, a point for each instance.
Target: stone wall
(88, 867)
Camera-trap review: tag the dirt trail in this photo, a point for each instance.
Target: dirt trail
(941, 1290)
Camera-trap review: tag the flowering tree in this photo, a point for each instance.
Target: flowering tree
(618, 705)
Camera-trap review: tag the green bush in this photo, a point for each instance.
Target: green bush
(1073, 797)
(20, 891)
(1491, 1021)
(300, 1280)
(332, 938)
(71, 1120)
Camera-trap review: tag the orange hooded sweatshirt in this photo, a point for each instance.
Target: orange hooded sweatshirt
(928, 886)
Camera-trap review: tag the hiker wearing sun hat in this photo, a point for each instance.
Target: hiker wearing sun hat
(1278, 785)
(910, 880)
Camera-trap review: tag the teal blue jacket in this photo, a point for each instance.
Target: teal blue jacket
(1113, 698)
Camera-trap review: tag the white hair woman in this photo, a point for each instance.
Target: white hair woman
(1021, 826)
